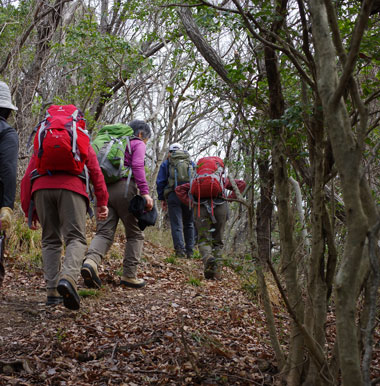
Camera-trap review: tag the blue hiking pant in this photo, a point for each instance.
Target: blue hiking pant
(181, 224)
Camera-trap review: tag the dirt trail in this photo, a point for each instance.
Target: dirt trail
(171, 332)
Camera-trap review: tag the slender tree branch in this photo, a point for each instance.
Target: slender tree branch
(288, 51)
(333, 23)
(354, 51)
(25, 35)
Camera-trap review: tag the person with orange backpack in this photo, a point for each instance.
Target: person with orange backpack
(206, 193)
(8, 168)
(55, 192)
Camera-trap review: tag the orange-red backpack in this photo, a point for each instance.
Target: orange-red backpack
(61, 142)
(207, 181)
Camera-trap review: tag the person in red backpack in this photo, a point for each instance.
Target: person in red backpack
(59, 202)
(206, 193)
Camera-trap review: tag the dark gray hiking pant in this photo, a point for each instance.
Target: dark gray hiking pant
(105, 230)
(210, 235)
(62, 215)
(181, 224)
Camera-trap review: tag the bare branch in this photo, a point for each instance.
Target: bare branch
(354, 51)
(26, 34)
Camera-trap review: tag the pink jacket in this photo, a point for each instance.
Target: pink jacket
(137, 161)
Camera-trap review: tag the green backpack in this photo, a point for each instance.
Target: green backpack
(180, 170)
(110, 145)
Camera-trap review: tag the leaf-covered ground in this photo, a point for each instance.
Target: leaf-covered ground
(178, 330)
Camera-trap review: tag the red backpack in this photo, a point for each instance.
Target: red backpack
(61, 142)
(208, 179)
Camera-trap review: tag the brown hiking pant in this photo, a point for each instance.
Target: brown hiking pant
(210, 235)
(105, 230)
(62, 214)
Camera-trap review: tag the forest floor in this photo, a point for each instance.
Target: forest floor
(178, 330)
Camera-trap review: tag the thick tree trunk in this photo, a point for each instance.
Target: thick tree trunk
(316, 307)
(264, 216)
(348, 157)
(264, 210)
(296, 350)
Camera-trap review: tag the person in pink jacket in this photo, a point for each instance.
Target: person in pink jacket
(59, 202)
(118, 206)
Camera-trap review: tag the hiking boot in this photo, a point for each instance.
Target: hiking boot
(132, 282)
(53, 297)
(179, 253)
(211, 270)
(89, 272)
(70, 296)
(189, 255)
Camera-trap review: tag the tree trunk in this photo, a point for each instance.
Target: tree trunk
(288, 263)
(27, 87)
(348, 157)
(316, 299)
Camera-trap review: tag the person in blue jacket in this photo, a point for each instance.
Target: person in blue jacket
(176, 170)
(8, 164)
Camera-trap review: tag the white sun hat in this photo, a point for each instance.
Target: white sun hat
(175, 146)
(5, 97)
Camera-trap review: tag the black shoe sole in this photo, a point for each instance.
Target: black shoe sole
(70, 297)
(91, 280)
(54, 300)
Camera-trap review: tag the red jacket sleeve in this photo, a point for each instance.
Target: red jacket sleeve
(26, 187)
(97, 178)
(240, 184)
(26, 190)
(182, 192)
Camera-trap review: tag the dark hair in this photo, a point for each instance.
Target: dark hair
(140, 127)
(4, 112)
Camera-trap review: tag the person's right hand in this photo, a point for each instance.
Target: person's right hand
(102, 212)
(149, 202)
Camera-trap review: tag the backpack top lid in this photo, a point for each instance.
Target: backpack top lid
(116, 130)
(61, 116)
(176, 155)
(209, 165)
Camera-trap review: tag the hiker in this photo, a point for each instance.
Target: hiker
(121, 194)
(206, 193)
(176, 170)
(59, 200)
(8, 167)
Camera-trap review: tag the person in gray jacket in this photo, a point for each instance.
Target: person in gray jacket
(8, 163)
